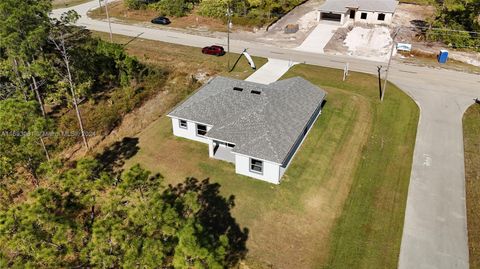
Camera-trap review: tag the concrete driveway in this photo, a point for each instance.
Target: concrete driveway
(434, 233)
(319, 37)
(271, 71)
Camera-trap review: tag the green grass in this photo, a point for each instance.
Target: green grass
(368, 232)
(183, 60)
(471, 138)
(341, 203)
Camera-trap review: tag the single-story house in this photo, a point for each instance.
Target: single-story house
(257, 127)
(365, 11)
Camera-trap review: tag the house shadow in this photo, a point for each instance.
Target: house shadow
(215, 216)
(113, 157)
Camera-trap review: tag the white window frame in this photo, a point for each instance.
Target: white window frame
(256, 165)
(197, 129)
(180, 124)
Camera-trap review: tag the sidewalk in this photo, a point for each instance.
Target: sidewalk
(271, 71)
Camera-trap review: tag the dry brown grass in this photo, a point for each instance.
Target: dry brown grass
(471, 131)
(182, 67)
(421, 57)
(193, 21)
(67, 3)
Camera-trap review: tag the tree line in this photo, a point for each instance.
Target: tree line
(84, 217)
(461, 18)
(251, 12)
(82, 214)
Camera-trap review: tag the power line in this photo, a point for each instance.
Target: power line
(441, 29)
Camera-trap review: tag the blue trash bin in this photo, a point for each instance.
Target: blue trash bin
(442, 56)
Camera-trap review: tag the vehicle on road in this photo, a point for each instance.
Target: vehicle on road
(161, 20)
(214, 50)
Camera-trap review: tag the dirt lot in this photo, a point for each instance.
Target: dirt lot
(369, 42)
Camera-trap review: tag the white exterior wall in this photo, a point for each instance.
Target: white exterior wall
(190, 132)
(271, 171)
(372, 17)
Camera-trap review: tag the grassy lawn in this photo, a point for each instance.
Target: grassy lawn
(341, 203)
(471, 137)
(183, 60)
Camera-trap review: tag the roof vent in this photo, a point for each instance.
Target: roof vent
(255, 92)
(237, 89)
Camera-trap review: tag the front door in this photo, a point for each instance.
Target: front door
(352, 14)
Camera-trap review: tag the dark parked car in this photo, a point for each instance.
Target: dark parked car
(214, 50)
(161, 20)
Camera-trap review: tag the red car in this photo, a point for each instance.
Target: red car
(214, 50)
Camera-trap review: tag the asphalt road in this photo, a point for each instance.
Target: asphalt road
(435, 234)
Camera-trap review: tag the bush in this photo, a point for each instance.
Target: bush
(452, 38)
(134, 4)
(213, 8)
(177, 8)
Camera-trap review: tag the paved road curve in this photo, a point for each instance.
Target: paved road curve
(435, 234)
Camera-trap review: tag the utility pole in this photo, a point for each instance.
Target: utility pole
(109, 23)
(229, 25)
(389, 63)
(379, 70)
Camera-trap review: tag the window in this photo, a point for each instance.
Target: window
(256, 166)
(183, 124)
(230, 145)
(381, 17)
(201, 130)
(363, 16)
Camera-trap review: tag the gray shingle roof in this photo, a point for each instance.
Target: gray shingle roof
(341, 6)
(264, 126)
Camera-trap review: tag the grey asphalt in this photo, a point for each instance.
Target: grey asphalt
(435, 234)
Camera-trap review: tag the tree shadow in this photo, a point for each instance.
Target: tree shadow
(113, 157)
(421, 26)
(215, 216)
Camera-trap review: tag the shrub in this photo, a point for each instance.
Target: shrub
(213, 8)
(177, 8)
(134, 4)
